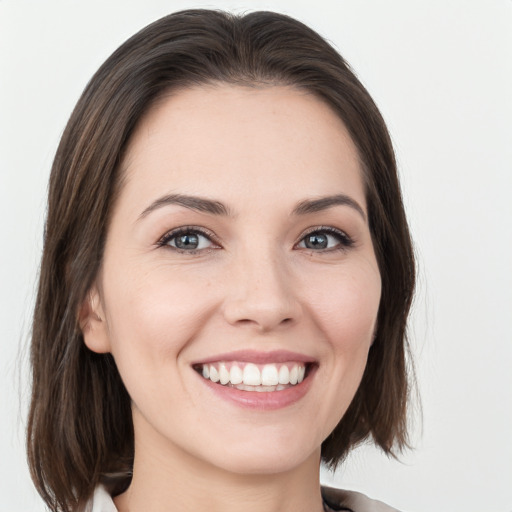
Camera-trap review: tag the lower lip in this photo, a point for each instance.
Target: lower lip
(262, 400)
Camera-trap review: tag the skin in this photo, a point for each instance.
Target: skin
(252, 285)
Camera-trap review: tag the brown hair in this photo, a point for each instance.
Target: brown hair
(79, 430)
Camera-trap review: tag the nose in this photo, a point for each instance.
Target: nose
(261, 294)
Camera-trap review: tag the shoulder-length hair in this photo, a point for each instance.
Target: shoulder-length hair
(79, 429)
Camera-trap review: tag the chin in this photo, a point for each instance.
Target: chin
(265, 457)
(263, 465)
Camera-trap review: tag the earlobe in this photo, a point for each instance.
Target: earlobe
(374, 335)
(92, 323)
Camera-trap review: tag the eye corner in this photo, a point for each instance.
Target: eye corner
(194, 240)
(321, 240)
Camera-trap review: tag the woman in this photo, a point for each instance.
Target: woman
(226, 276)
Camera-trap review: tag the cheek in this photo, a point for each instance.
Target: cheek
(345, 310)
(346, 307)
(152, 316)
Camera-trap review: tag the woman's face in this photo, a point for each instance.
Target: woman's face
(238, 252)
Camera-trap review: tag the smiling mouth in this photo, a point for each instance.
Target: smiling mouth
(255, 377)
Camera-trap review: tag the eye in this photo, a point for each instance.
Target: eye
(187, 240)
(325, 239)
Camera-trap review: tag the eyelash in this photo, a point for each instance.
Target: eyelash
(345, 241)
(187, 230)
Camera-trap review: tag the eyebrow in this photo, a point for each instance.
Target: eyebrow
(213, 207)
(323, 203)
(199, 204)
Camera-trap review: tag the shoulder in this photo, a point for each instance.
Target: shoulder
(338, 499)
(101, 501)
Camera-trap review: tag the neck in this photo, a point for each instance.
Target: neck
(170, 479)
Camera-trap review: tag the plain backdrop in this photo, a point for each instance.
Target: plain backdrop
(441, 72)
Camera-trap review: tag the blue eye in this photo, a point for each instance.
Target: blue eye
(325, 239)
(186, 240)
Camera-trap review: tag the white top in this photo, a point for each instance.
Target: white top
(355, 501)
(101, 501)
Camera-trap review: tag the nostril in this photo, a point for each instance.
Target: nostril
(249, 321)
(245, 321)
(263, 311)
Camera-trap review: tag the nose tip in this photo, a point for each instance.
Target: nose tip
(263, 317)
(264, 302)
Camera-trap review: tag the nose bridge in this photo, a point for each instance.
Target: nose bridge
(261, 291)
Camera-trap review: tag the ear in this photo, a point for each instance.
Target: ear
(92, 323)
(374, 335)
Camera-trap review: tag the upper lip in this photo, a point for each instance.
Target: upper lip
(258, 357)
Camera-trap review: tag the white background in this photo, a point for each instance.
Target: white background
(441, 72)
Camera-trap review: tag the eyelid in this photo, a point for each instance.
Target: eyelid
(173, 233)
(345, 241)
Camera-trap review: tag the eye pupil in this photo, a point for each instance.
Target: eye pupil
(316, 241)
(187, 241)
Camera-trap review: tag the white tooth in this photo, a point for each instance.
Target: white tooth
(294, 374)
(269, 375)
(243, 387)
(236, 375)
(302, 372)
(284, 375)
(206, 371)
(223, 374)
(252, 375)
(214, 374)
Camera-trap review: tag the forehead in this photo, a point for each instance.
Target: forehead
(226, 141)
